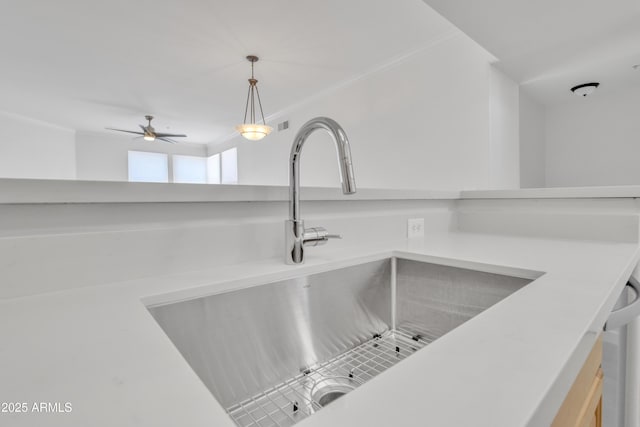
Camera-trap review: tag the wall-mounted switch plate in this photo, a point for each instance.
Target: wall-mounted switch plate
(415, 227)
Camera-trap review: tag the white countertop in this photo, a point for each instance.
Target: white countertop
(38, 191)
(99, 348)
(615, 191)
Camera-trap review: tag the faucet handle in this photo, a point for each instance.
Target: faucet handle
(316, 236)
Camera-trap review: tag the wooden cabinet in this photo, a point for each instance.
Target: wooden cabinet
(583, 405)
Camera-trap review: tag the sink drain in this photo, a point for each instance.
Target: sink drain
(329, 397)
(329, 389)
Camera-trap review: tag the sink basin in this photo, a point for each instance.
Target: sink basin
(276, 353)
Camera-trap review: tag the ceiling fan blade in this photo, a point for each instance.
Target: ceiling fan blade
(144, 129)
(127, 131)
(172, 135)
(170, 141)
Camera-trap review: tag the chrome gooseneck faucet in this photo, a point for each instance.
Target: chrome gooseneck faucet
(296, 237)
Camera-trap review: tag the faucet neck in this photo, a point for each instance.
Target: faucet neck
(344, 160)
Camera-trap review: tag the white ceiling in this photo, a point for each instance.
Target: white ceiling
(87, 64)
(549, 46)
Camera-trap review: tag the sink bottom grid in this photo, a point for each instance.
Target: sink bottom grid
(299, 397)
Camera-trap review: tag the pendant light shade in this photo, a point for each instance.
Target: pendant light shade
(254, 132)
(249, 128)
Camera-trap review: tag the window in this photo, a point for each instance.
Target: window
(229, 166)
(148, 167)
(189, 169)
(213, 169)
(221, 168)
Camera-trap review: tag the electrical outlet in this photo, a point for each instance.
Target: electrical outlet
(415, 227)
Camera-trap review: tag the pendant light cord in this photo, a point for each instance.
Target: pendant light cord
(251, 99)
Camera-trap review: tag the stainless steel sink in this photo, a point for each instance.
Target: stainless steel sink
(276, 353)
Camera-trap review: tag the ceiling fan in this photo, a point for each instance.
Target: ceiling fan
(150, 134)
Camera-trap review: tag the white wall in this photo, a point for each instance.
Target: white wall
(89, 244)
(439, 118)
(82, 245)
(594, 140)
(532, 143)
(102, 156)
(504, 150)
(423, 122)
(34, 149)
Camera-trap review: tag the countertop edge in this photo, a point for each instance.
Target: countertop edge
(41, 191)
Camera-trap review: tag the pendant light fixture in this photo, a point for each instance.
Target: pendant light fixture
(250, 129)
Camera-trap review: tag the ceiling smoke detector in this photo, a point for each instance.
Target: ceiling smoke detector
(585, 89)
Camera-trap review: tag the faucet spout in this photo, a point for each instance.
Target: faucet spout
(295, 234)
(343, 150)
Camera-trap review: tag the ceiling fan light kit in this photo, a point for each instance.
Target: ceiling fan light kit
(250, 129)
(149, 131)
